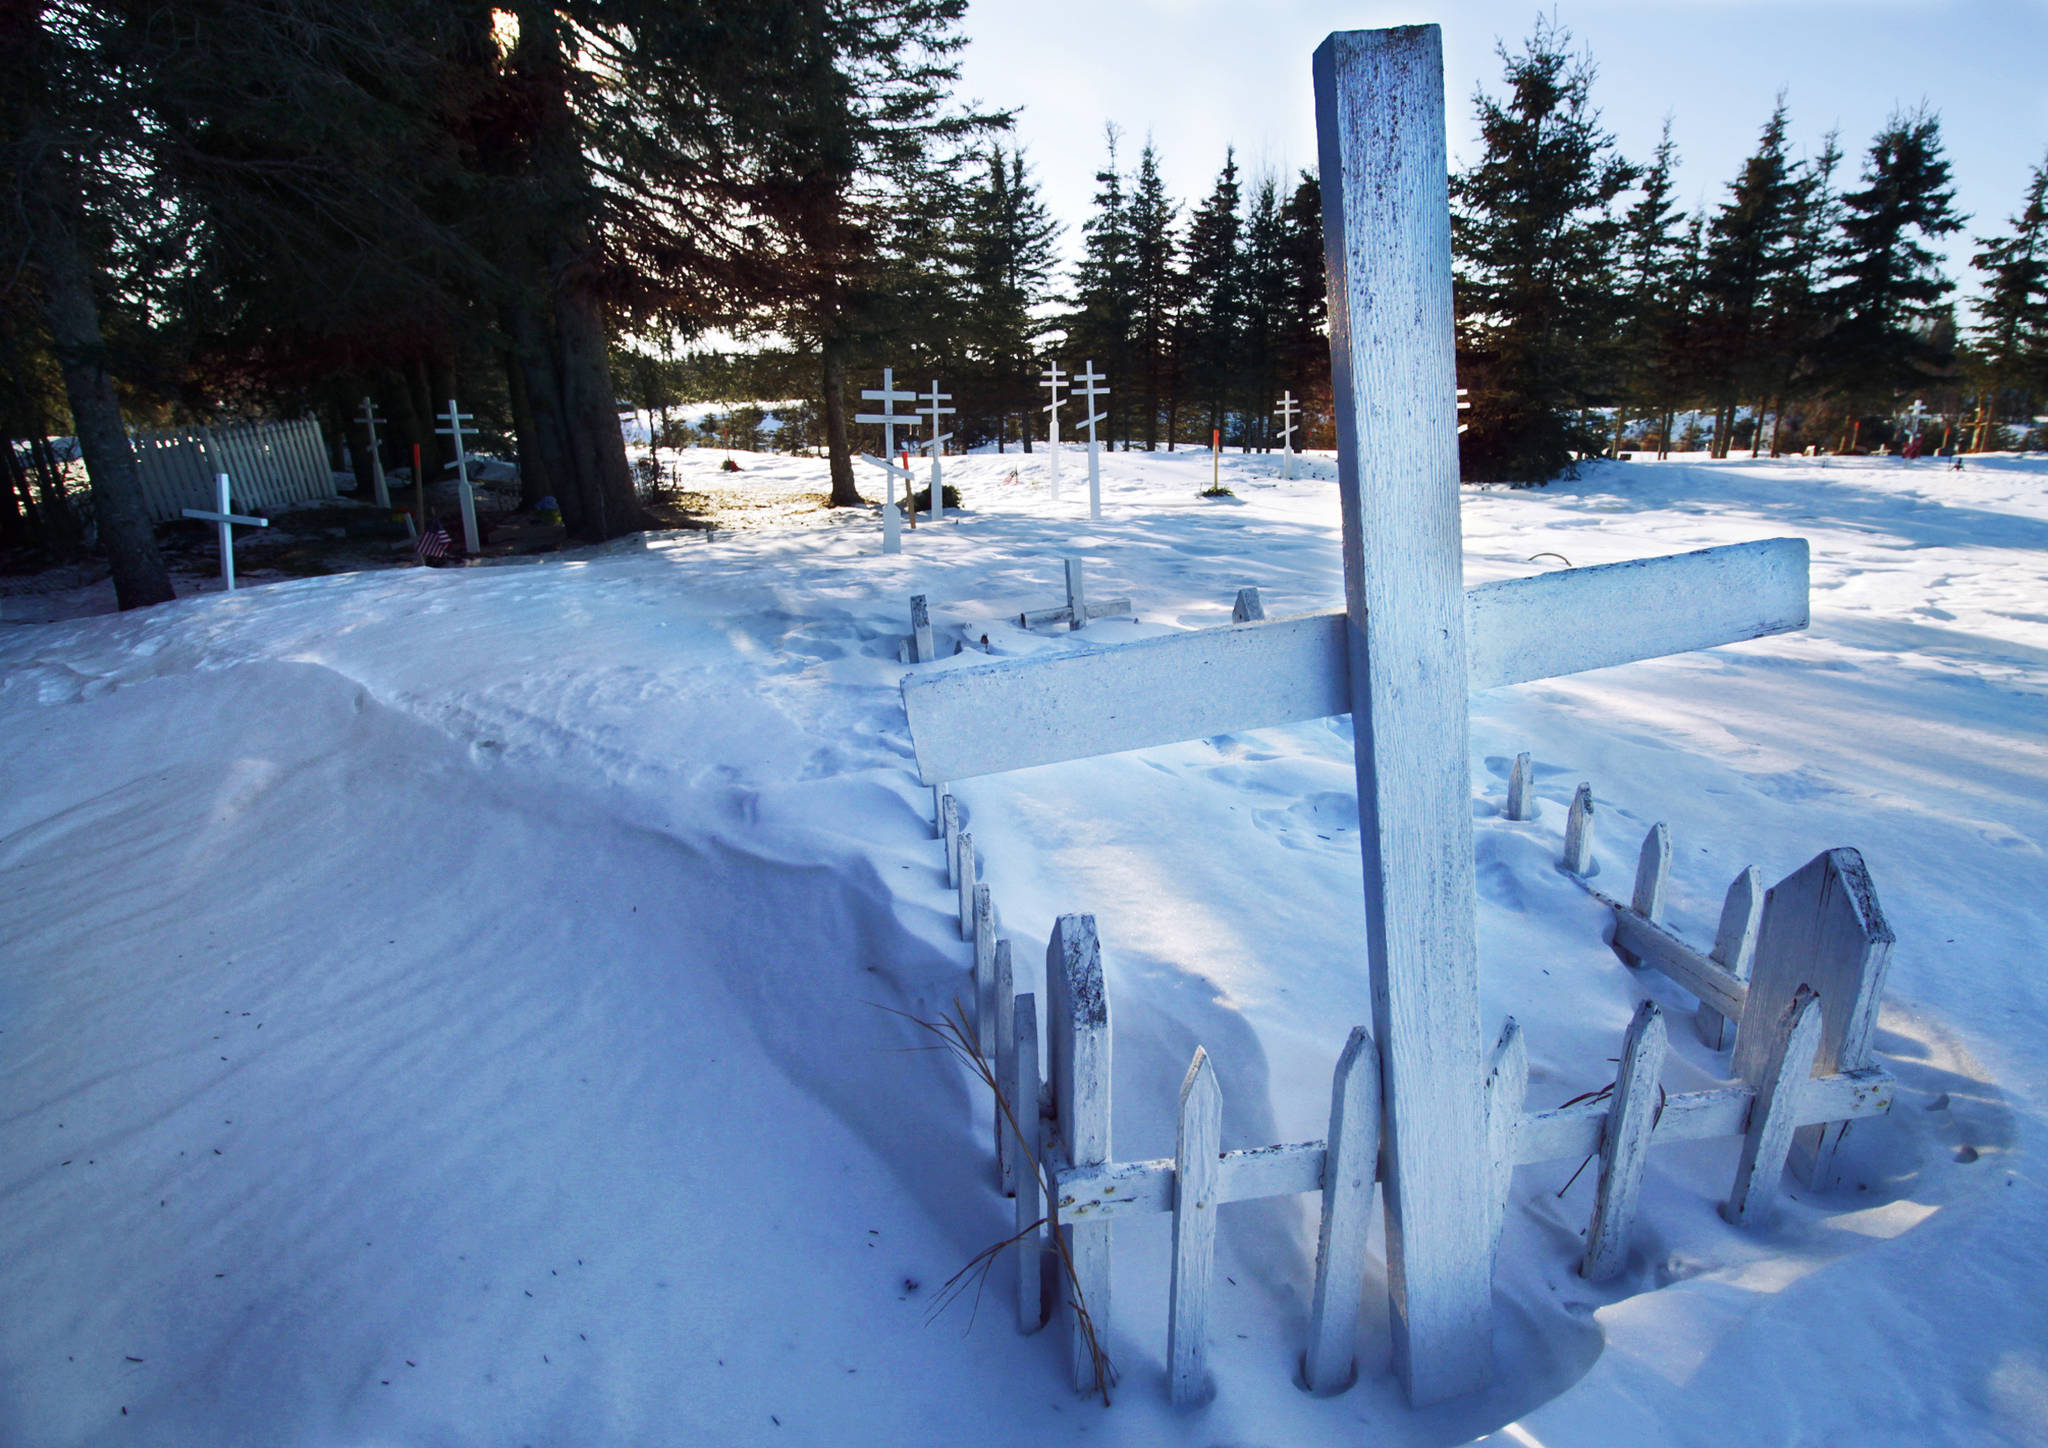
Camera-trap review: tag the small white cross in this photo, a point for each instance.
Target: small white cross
(1053, 382)
(1288, 409)
(935, 444)
(457, 431)
(1091, 392)
(369, 419)
(225, 518)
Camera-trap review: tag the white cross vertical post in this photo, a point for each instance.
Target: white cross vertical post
(889, 420)
(1386, 223)
(1091, 392)
(379, 491)
(1054, 381)
(455, 431)
(1401, 658)
(224, 518)
(936, 444)
(1288, 409)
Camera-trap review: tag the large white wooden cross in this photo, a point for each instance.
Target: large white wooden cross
(888, 394)
(456, 430)
(224, 518)
(1411, 644)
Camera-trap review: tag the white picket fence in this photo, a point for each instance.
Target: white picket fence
(268, 464)
(1813, 953)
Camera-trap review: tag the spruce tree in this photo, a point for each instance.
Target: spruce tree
(1211, 317)
(1304, 331)
(2012, 331)
(1749, 255)
(1651, 259)
(1007, 249)
(1265, 293)
(1103, 323)
(1888, 290)
(1534, 236)
(1153, 295)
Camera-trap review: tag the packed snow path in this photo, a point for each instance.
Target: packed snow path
(455, 1006)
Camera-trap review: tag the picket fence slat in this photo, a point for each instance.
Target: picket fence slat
(1625, 1144)
(1578, 832)
(1024, 1087)
(1521, 789)
(984, 971)
(967, 884)
(1006, 1067)
(1077, 1032)
(1734, 950)
(1197, 1145)
(1329, 1363)
(1768, 1140)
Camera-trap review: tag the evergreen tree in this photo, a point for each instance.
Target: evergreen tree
(1887, 293)
(1265, 303)
(1795, 304)
(1007, 244)
(1211, 293)
(1534, 236)
(1750, 254)
(1651, 259)
(1153, 295)
(2012, 331)
(1304, 344)
(1103, 324)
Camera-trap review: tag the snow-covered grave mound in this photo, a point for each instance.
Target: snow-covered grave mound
(477, 1006)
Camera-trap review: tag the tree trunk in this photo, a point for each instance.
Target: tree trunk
(72, 314)
(844, 493)
(535, 481)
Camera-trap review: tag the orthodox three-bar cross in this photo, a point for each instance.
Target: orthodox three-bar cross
(1411, 644)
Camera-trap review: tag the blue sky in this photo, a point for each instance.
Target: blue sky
(1202, 74)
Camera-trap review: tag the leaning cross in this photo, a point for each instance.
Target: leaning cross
(1401, 659)
(1054, 381)
(382, 492)
(225, 518)
(455, 431)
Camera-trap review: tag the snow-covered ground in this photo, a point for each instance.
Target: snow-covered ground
(459, 1006)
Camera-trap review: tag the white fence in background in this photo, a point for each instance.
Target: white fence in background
(269, 464)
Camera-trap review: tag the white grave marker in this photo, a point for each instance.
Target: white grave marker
(1289, 410)
(379, 490)
(936, 444)
(1054, 381)
(225, 519)
(1078, 611)
(1401, 659)
(456, 430)
(889, 419)
(1092, 393)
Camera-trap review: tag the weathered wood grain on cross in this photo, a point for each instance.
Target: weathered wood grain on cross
(1402, 657)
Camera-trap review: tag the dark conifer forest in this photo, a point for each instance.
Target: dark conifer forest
(234, 209)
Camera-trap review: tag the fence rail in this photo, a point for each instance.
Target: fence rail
(268, 464)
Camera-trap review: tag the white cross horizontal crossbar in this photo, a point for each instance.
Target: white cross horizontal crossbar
(205, 517)
(907, 419)
(1129, 1189)
(1197, 685)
